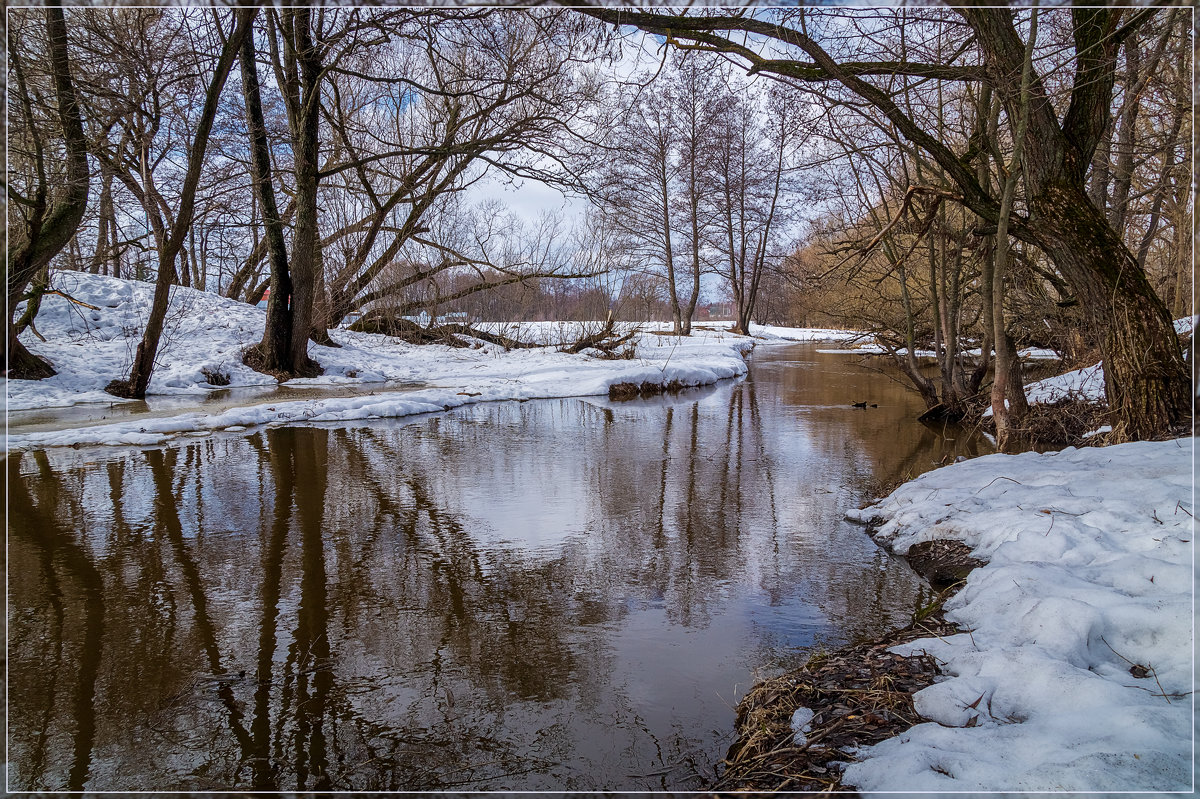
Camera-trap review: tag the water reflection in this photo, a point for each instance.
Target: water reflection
(559, 594)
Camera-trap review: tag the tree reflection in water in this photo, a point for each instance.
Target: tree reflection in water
(556, 594)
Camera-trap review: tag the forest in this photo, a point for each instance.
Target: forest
(966, 182)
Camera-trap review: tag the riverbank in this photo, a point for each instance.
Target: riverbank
(206, 334)
(1069, 665)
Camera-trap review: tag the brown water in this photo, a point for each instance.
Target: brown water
(558, 594)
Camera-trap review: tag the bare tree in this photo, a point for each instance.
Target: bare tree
(130, 159)
(51, 191)
(637, 188)
(1148, 383)
(703, 107)
(656, 182)
(299, 47)
(752, 174)
(274, 352)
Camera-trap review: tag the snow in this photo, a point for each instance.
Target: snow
(802, 725)
(1085, 384)
(791, 334)
(206, 333)
(1088, 573)
(1027, 353)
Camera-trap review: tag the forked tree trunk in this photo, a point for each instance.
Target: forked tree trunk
(273, 353)
(285, 337)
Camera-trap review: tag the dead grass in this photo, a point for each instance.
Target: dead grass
(861, 694)
(215, 377)
(1064, 421)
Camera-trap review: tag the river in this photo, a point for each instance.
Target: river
(555, 594)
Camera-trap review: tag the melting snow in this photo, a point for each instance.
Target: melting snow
(1077, 672)
(205, 335)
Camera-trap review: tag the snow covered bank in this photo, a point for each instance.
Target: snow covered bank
(1028, 353)
(771, 333)
(1077, 672)
(206, 334)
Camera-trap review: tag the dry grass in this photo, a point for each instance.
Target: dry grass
(215, 377)
(861, 694)
(1063, 422)
(628, 391)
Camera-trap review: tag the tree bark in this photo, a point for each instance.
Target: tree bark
(1148, 382)
(1006, 379)
(50, 226)
(298, 68)
(305, 235)
(273, 353)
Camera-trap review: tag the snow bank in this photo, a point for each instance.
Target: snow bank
(1086, 384)
(205, 335)
(1080, 622)
(1028, 353)
(790, 334)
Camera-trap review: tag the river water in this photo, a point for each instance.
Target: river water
(556, 594)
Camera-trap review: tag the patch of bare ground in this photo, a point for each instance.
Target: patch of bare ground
(628, 391)
(942, 562)
(861, 694)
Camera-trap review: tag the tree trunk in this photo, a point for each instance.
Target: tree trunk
(147, 349)
(1148, 382)
(273, 353)
(302, 68)
(105, 244)
(668, 250)
(50, 228)
(304, 260)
